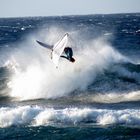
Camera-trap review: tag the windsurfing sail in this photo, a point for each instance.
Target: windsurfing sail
(58, 49)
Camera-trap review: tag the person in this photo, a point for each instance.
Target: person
(67, 50)
(69, 53)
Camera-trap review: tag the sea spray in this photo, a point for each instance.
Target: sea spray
(38, 78)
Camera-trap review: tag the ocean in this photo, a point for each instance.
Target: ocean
(95, 98)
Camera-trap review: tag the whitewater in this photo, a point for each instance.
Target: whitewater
(100, 91)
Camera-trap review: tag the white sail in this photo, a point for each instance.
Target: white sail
(58, 49)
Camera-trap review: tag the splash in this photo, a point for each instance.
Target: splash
(36, 76)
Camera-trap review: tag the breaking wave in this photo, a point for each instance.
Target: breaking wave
(36, 116)
(36, 77)
(33, 75)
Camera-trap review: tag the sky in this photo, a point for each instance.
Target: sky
(22, 8)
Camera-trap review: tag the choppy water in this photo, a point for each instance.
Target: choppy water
(97, 97)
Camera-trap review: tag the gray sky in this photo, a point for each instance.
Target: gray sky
(20, 8)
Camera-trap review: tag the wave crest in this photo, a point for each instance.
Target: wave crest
(36, 76)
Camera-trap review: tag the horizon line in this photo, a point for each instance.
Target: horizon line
(73, 15)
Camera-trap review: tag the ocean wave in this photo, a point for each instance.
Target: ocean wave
(39, 79)
(98, 66)
(119, 84)
(37, 115)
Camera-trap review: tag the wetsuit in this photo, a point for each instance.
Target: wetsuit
(69, 53)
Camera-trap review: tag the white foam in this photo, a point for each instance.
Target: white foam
(38, 78)
(17, 116)
(23, 28)
(37, 115)
(111, 97)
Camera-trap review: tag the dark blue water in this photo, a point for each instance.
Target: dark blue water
(97, 97)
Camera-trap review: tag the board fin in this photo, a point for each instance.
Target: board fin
(44, 45)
